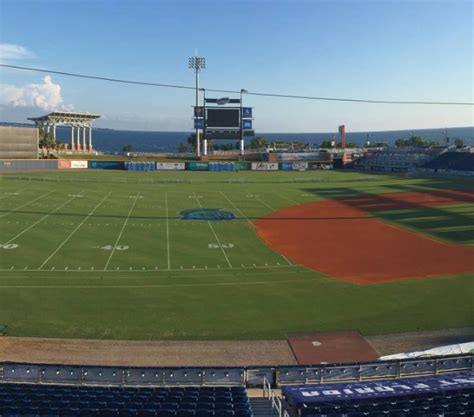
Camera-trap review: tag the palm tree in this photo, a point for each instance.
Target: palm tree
(47, 141)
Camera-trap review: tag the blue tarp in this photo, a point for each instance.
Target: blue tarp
(319, 393)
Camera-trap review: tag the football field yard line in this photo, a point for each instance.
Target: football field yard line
(25, 204)
(73, 232)
(167, 232)
(264, 204)
(209, 284)
(216, 237)
(238, 209)
(251, 224)
(121, 231)
(151, 269)
(40, 220)
(272, 209)
(228, 273)
(286, 198)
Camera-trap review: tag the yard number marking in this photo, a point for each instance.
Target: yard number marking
(110, 247)
(8, 245)
(222, 245)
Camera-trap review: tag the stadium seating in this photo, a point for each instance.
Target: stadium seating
(86, 401)
(393, 159)
(456, 161)
(417, 397)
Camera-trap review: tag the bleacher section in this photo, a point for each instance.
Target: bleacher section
(106, 391)
(393, 160)
(86, 401)
(446, 396)
(454, 161)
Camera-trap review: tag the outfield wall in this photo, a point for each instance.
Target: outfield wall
(28, 164)
(18, 142)
(276, 376)
(146, 166)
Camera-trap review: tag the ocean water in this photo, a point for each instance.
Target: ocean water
(110, 141)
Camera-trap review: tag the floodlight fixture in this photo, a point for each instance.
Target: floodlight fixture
(197, 63)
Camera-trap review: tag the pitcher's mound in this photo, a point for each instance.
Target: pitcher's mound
(335, 347)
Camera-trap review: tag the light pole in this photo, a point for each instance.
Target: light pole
(242, 91)
(197, 63)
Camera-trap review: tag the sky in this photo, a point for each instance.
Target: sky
(389, 50)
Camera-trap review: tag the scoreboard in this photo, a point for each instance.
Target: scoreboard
(223, 118)
(220, 122)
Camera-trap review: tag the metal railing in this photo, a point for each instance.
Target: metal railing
(275, 400)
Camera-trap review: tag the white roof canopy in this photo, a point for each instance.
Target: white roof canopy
(70, 118)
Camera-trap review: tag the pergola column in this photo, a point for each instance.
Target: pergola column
(72, 137)
(90, 138)
(84, 139)
(78, 146)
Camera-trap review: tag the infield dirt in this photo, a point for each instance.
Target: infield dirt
(340, 238)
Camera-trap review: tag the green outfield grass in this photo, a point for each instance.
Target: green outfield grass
(453, 224)
(98, 254)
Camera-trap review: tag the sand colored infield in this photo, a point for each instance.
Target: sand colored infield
(339, 238)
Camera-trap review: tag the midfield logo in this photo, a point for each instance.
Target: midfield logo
(208, 214)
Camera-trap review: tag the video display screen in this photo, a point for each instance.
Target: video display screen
(220, 118)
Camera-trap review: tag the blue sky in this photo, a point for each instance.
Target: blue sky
(394, 50)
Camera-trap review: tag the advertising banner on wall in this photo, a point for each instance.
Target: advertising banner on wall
(107, 164)
(300, 166)
(286, 166)
(197, 166)
(303, 156)
(79, 164)
(170, 166)
(242, 166)
(313, 394)
(319, 165)
(64, 164)
(264, 166)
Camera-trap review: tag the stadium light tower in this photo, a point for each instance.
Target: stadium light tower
(197, 63)
(242, 143)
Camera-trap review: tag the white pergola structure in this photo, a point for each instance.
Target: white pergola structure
(76, 121)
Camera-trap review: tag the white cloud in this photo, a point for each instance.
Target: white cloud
(10, 51)
(45, 96)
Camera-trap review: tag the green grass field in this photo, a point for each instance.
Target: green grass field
(97, 254)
